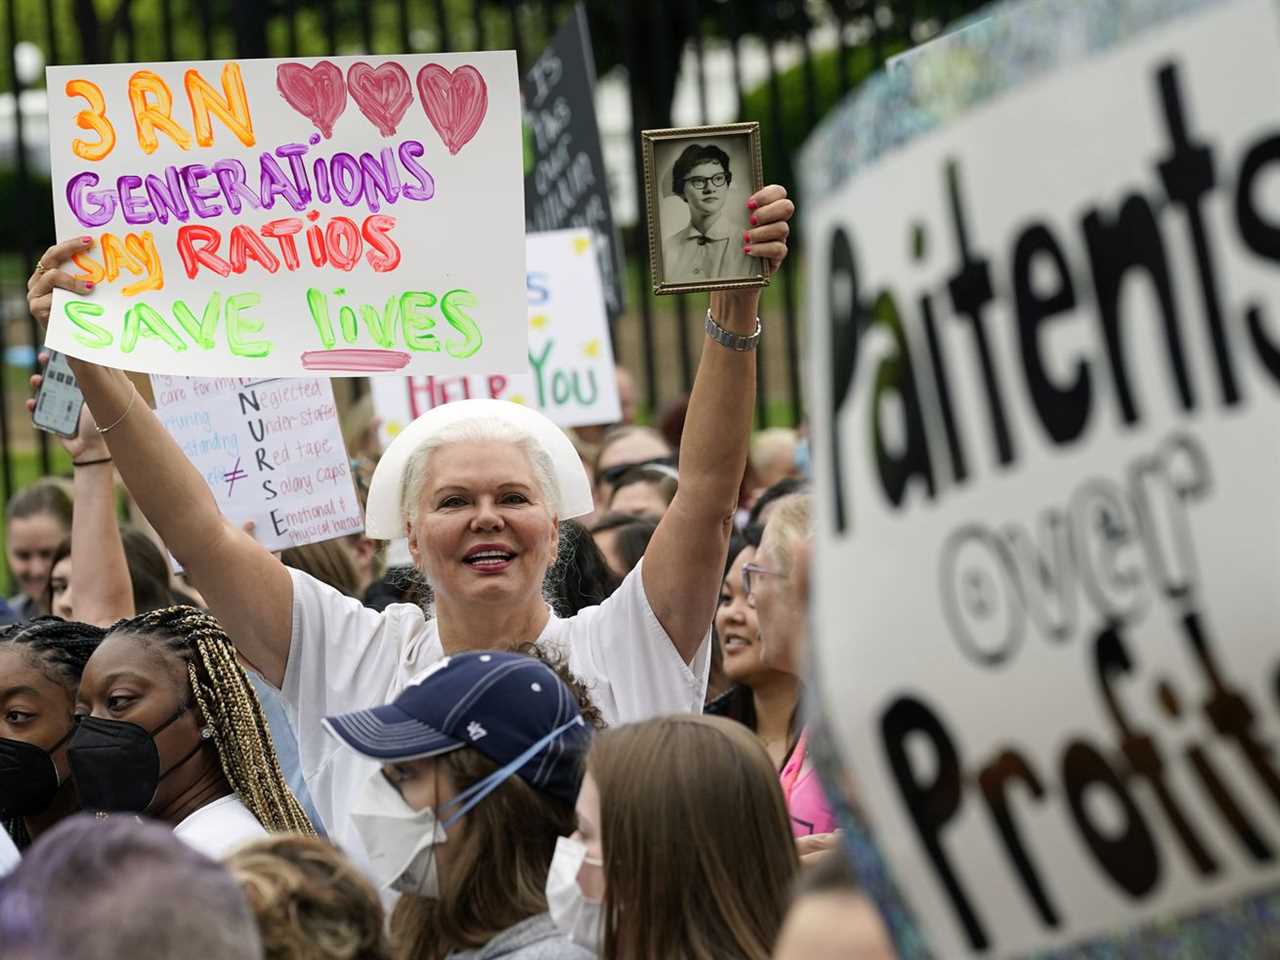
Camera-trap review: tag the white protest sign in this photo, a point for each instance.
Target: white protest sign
(268, 218)
(270, 450)
(570, 357)
(1046, 359)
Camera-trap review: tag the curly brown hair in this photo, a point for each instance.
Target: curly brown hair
(311, 903)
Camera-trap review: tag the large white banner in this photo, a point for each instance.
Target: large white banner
(267, 218)
(1046, 358)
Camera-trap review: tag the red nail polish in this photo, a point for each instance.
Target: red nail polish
(746, 249)
(751, 204)
(86, 240)
(746, 238)
(754, 220)
(88, 284)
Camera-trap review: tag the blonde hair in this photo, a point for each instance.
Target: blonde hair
(497, 875)
(770, 443)
(311, 903)
(789, 524)
(229, 706)
(698, 853)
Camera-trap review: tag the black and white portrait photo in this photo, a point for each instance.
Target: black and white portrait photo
(698, 182)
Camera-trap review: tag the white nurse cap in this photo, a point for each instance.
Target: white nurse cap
(384, 517)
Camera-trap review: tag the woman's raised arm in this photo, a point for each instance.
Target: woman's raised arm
(245, 586)
(685, 560)
(101, 590)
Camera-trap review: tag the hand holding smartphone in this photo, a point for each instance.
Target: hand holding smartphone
(59, 400)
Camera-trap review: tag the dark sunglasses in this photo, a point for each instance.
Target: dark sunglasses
(612, 475)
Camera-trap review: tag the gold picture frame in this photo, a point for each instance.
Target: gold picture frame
(695, 268)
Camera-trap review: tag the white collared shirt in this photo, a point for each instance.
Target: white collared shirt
(718, 256)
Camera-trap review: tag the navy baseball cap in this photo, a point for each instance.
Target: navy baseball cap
(507, 706)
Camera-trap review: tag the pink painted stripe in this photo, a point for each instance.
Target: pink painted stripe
(348, 361)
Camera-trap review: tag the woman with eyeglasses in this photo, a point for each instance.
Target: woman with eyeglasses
(762, 698)
(711, 246)
(776, 584)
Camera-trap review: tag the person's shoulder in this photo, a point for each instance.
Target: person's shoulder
(219, 827)
(9, 855)
(732, 704)
(559, 947)
(680, 235)
(628, 602)
(330, 604)
(537, 938)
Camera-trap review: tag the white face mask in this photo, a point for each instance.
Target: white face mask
(399, 840)
(578, 918)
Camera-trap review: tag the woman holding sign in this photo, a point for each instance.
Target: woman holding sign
(479, 488)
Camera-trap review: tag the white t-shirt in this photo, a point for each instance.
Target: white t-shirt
(344, 656)
(8, 853)
(220, 827)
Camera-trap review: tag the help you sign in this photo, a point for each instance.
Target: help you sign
(1046, 349)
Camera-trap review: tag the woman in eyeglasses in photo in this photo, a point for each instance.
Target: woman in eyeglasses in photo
(712, 245)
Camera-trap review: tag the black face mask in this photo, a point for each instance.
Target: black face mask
(28, 778)
(116, 764)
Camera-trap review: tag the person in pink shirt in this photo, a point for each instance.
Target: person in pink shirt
(777, 584)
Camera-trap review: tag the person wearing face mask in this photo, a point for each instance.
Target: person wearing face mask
(682, 850)
(471, 776)
(40, 666)
(169, 727)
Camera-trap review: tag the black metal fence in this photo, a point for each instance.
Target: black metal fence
(787, 62)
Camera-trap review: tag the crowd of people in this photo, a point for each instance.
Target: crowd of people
(562, 715)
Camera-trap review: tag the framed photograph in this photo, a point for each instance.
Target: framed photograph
(697, 181)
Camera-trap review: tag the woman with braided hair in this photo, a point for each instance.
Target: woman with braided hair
(40, 666)
(169, 727)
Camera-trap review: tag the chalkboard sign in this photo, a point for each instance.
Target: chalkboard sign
(564, 182)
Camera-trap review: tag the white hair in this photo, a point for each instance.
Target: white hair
(790, 524)
(485, 429)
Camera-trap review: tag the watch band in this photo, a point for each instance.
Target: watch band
(732, 340)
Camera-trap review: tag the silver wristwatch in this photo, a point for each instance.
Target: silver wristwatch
(732, 340)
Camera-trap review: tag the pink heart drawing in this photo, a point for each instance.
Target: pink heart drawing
(382, 94)
(318, 93)
(455, 103)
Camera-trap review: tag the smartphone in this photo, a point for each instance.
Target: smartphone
(58, 402)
